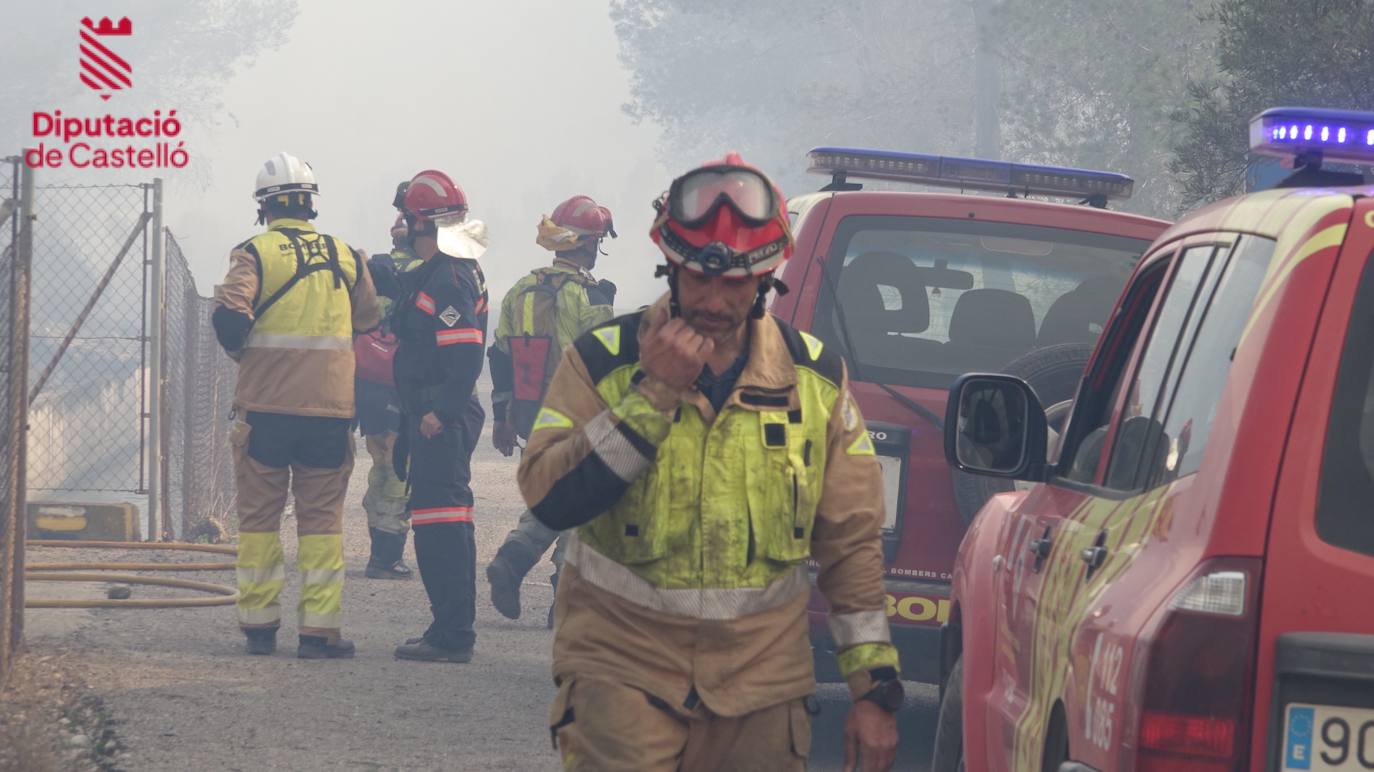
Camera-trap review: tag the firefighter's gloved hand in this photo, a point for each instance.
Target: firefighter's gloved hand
(607, 288)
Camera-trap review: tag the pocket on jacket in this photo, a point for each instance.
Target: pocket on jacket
(782, 505)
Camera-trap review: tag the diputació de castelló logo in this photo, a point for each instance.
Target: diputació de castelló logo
(102, 69)
(62, 140)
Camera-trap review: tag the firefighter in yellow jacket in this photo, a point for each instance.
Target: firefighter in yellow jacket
(287, 311)
(544, 312)
(704, 450)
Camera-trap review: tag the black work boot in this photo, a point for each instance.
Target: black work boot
(319, 647)
(424, 651)
(262, 642)
(386, 562)
(505, 573)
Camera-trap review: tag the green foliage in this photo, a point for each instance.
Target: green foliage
(1084, 82)
(1270, 53)
(1093, 82)
(774, 79)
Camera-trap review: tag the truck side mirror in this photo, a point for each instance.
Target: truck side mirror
(995, 426)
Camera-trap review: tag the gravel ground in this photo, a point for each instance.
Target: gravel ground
(184, 695)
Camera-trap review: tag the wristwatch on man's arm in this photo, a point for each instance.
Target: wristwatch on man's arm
(887, 692)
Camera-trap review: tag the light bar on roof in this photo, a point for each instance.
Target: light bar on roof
(1337, 135)
(975, 173)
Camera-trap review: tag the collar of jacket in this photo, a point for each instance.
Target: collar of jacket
(769, 372)
(287, 222)
(561, 265)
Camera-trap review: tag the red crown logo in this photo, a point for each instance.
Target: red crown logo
(101, 68)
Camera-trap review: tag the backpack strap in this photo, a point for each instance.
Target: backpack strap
(303, 270)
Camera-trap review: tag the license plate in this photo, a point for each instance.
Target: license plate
(1326, 738)
(892, 484)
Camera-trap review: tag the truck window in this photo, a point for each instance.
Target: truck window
(1138, 433)
(1086, 435)
(924, 300)
(1185, 385)
(1208, 360)
(1344, 516)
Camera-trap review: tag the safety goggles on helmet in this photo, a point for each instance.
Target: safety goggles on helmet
(695, 197)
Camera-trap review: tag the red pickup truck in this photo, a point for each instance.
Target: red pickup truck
(1185, 581)
(918, 288)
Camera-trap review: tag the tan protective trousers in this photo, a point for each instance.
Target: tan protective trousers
(611, 727)
(319, 498)
(385, 498)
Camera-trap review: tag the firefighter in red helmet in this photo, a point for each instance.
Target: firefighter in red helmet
(540, 316)
(705, 451)
(440, 323)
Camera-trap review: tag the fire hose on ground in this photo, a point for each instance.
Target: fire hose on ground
(82, 572)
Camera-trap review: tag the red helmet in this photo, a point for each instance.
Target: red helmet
(432, 194)
(582, 215)
(724, 218)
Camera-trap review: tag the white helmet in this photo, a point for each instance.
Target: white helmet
(285, 173)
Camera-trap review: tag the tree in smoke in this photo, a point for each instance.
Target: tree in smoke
(1271, 53)
(774, 80)
(1092, 83)
(1084, 82)
(182, 51)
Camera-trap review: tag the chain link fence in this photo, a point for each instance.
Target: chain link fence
(14, 261)
(77, 361)
(198, 391)
(87, 391)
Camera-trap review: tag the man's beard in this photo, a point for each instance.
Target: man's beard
(712, 325)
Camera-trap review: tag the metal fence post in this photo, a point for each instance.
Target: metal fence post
(19, 403)
(156, 366)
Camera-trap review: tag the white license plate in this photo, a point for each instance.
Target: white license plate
(1325, 738)
(891, 467)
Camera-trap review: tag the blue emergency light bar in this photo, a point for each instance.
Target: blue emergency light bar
(1334, 135)
(952, 172)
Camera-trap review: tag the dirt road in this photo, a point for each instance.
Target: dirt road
(187, 698)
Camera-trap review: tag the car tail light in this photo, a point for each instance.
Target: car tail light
(1197, 675)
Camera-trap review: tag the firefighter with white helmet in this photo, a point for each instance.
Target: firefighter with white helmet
(705, 452)
(287, 312)
(541, 315)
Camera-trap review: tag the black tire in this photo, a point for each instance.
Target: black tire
(948, 755)
(1056, 750)
(1053, 372)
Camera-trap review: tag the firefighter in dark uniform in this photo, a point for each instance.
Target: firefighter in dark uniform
(441, 323)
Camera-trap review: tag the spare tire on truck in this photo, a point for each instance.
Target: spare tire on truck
(1053, 372)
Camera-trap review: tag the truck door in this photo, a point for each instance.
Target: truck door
(1314, 707)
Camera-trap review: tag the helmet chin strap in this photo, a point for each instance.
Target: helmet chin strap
(770, 282)
(670, 270)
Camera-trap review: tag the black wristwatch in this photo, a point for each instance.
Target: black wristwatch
(887, 692)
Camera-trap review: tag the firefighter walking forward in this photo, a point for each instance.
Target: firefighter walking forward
(541, 315)
(287, 311)
(704, 451)
(441, 324)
